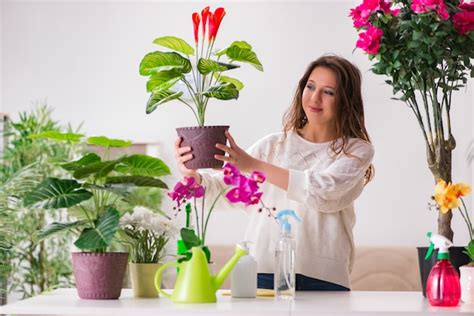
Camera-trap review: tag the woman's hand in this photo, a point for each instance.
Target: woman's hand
(236, 155)
(184, 154)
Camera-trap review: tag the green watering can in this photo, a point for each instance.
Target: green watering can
(194, 283)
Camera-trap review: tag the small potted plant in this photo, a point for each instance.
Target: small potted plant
(449, 196)
(193, 76)
(92, 195)
(147, 234)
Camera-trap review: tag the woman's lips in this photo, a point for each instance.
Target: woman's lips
(315, 109)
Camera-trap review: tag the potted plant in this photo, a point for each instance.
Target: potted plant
(147, 234)
(448, 196)
(193, 76)
(425, 48)
(92, 196)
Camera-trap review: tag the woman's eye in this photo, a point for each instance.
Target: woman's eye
(310, 87)
(329, 92)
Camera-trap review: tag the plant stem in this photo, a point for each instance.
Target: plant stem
(209, 215)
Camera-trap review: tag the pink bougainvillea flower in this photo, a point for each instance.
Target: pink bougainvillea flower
(204, 16)
(369, 41)
(215, 20)
(361, 14)
(463, 21)
(196, 20)
(424, 6)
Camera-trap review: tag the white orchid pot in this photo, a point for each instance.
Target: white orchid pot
(467, 284)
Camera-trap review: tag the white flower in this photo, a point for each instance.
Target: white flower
(143, 219)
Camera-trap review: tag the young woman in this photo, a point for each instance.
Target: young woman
(317, 166)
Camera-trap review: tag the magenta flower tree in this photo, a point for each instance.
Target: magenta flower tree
(425, 48)
(239, 189)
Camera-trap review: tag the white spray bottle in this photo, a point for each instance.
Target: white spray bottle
(243, 281)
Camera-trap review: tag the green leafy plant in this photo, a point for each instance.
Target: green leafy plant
(176, 76)
(425, 48)
(97, 185)
(34, 267)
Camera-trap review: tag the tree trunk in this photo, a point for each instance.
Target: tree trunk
(440, 166)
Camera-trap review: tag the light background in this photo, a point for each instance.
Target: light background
(83, 57)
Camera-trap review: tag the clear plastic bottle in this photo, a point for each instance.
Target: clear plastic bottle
(243, 282)
(284, 278)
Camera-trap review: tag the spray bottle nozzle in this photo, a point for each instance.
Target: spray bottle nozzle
(283, 220)
(438, 242)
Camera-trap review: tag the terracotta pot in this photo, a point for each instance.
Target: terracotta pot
(143, 275)
(203, 142)
(467, 284)
(99, 276)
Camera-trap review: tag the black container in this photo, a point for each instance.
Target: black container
(456, 255)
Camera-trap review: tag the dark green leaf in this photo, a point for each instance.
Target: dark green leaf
(175, 43)
(143, 165)
(108, 142)
(139, 181)
(189, 238)
(101, 235)
(56, 193)
(98, 169)
(85, 160)
(55, 228)
(226, 91)
(206, 66)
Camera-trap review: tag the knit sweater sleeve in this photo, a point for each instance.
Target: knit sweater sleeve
(335, 187)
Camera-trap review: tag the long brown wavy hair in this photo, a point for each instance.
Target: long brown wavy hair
(350, 121)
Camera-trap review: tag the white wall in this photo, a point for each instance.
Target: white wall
(84, 56)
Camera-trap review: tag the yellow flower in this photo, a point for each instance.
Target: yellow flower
(447, 195)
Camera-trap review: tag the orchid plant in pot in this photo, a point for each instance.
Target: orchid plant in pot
(92, 196)
(193, 76)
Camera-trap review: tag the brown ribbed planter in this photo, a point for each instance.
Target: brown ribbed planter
(99, 276)
(203, 141)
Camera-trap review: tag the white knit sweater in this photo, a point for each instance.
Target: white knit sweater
(322, 188)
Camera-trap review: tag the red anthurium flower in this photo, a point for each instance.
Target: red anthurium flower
(196, 20)
(215, 20)
(204, 15)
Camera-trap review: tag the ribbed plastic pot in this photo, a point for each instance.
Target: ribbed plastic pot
(203, 142)
(99, 276)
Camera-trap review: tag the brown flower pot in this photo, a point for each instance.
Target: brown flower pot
(203, 141)
(99, 276)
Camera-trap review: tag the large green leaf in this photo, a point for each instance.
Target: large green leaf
(101, 235)
(108, 142)
(160, 97)
(55, 135)
(175, 43)
(56, 193)
(245, 55)
(84, 161)
(143, 165)
(55, 228)
(155, 62)
(139, 181)
(225, 91)
(165, 86)
(240, 44)
(206, 66)
(160, 78)
(190, 238)
(99, 169)
(237, 83)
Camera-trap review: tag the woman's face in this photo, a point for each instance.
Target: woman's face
(319, 97)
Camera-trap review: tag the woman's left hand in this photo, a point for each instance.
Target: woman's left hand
(236, 155)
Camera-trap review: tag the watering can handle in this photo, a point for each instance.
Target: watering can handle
(159, 274)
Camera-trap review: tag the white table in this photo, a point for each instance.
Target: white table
(66, 302)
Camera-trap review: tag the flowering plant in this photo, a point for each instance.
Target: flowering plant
(449, 196)
(202, 78)
(239, 189)
(425, 48)
(147, 233)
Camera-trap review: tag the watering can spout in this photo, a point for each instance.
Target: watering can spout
(240, 251)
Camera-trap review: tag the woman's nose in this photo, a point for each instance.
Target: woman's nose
(316, 96)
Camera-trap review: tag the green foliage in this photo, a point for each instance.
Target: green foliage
(26, 160)
(470, 250)
(201, 79)
(100, 188)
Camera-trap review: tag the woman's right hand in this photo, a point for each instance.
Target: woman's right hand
(184, 154)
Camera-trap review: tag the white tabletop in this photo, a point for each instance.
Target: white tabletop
(66, 302)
